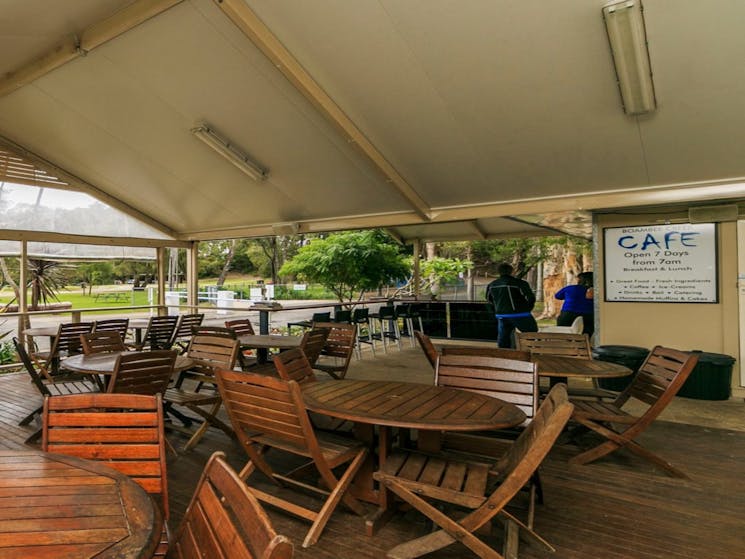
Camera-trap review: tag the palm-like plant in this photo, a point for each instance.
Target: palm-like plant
(45, 281)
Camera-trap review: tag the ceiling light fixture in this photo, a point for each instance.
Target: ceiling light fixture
(229, 151)
(624, 22)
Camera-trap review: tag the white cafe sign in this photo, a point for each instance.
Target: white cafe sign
(661, 263)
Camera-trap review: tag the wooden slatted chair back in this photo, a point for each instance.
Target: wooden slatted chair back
(504, 353)
(429, 349)
(68, 338)
(294, 365)
(220, 331)
(241, 326)
(269, 408)
(555, 343)
(143, 372)
(125, 431)
(210, 353)
(159, 333)
(185, 327)
(225, 520)
(104, 341)
(339, 345)
(187, 324)
(313, 342)
(659, 378)
(510, 380)
(119, 325)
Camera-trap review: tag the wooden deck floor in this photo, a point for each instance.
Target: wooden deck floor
(620, 508)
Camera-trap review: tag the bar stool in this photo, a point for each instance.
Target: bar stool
(408, 313)
(361, 317)
(387, 324)
(343, 316)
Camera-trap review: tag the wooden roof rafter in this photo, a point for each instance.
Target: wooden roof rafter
(18, 170)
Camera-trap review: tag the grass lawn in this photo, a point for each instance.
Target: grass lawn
(75, 296)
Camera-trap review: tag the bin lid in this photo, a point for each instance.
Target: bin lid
(620, 351)
(715, 358)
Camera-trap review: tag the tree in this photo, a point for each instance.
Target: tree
(435, 270)
(349, 263)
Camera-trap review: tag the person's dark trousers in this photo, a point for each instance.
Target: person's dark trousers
(507, 328)
(566, 318)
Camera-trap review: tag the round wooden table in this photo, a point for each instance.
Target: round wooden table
(59, 506)
(410, 405)
(104, 363)
(429, 409)
(48, 331)
(262, 343)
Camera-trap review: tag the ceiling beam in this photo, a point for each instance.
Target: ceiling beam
(79, 184)
(69, 238)
(476, 227)
(249, 23)
(93, 36)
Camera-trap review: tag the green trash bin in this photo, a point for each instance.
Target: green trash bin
(627, 355)
(711, 378)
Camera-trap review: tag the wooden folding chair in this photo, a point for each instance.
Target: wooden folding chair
(510, 380)
(104, 341)
(187, 324)
(47, 388)
(119, 325)
(337, 351)
(293, 364)
(429, 349)
(225, 520)
(484, 488)
(66, 343)
(208, 354)
(125, 431)
(655, 385)
(159, 333)
(143, 372)
(243, 327)
(267, 412)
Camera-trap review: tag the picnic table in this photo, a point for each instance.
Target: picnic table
(113, 297)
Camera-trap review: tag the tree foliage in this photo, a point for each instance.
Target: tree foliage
(434, 271)
(349, 263)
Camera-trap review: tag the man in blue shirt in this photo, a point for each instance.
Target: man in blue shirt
(512, 299)
(577, 302)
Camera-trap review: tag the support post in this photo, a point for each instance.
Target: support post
(161, 261)
(192, 276)
(417, 280)
(23, 320)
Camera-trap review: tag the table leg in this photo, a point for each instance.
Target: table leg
(380, 517)
(262, 353)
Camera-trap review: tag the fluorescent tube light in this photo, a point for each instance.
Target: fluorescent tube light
(624, 22)
(230, 152)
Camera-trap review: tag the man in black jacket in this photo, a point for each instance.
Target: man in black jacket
(512, 299)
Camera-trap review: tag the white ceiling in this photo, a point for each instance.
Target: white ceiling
(486, 108)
